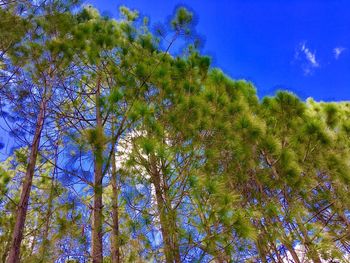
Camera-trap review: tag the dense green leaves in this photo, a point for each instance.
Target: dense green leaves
(147, 156)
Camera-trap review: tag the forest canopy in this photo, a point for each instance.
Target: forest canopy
(124, 144)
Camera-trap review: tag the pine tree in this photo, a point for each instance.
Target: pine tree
(127, 148)
(39, 78)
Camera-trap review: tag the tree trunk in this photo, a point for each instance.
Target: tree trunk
(17, 236)
(97, 231)
(115, 253)
(173, 232)
(291, 250)
(33, 244)
(48, 216)
(261, 250)
(279, 259)
(171, 249)
(312, 252)
(6, 250)
(164, 226)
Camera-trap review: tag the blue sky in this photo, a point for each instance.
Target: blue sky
(299, 45)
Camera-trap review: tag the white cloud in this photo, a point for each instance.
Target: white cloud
(337, 51)
(311, 57)
(307, 58)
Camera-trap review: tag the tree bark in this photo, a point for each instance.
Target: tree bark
(312, 252)
(171, 248)
(291, 250)
(48, 216)
(97, 231)
(277, 253)
(115, 250)
(17, 236)
(6, 251)
(262, 252)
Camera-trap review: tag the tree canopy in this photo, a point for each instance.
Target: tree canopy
(126, 145)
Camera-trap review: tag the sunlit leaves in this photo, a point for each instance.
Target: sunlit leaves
(182, 20)
(200, 157)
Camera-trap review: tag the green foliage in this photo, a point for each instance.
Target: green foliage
(182, 20)
(4, 179)
(190, 164)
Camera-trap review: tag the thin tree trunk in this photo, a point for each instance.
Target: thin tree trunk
(175, 239)
(171, 250)
(17, 236)
(97, 234)
(291, 250)
(34, 237)
(312, 252)
(48, 216)
(279, 259)
(115, 250)
(261, 249)
(6, 251)
(164, 226)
